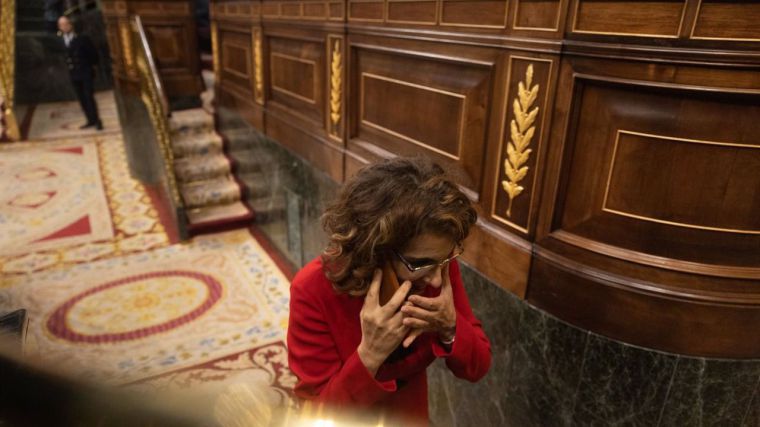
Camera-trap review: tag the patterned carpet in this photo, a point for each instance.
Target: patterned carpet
(71, 201)
(109, 299)
(62, 119)
(132, 317)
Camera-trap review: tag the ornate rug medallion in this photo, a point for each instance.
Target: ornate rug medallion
(135, 307)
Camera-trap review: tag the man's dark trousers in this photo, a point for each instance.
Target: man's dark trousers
(81, 59)
(86, 93)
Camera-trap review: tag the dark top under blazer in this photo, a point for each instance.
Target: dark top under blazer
(81, 58)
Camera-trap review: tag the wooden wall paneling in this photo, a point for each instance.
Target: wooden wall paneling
(514, 168)
(170, 28)
(397, 86)
(366, 11)
(538, 16)
(477, 14)
(595, 299)
(303, 10)
(237, 70)
(650, 18)
(643, 173)
(416, 12)
(298, 94)
(727, 20)
(239, 23)
(500, 255)
(241, 11)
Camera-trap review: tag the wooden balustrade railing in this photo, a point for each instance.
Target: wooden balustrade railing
(154, 97)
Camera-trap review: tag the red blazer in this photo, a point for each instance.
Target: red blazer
(324, 332)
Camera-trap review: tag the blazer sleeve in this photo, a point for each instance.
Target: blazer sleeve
(470, 355)
(314, 359)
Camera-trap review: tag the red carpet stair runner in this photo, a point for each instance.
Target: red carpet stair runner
(210, 193)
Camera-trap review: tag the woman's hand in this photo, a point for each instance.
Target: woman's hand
(437, 314)
(383, 328)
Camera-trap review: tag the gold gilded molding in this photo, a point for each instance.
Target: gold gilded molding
(611, 168)
(127, 51)
(258, 67)
(154, 98)
(8, 69)
(521, 133)
(336, 83)
(215, 48)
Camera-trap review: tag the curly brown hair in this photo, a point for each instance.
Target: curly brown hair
(382, 208)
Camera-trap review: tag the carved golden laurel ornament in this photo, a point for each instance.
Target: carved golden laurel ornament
(258, 76)
(336, 80)
(521, 132)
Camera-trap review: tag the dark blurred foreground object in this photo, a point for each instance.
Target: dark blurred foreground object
(31, 395)
(13, 326)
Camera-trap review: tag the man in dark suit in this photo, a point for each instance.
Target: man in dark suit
(81, 58)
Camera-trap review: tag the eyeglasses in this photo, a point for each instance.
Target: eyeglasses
(416, 267)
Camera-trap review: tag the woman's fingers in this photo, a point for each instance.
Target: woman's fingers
(417, 312)
(415, 323)
(426, 303)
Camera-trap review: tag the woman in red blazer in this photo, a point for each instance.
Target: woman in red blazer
(348, 351)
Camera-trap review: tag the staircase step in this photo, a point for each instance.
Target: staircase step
(209, 79)
(197, 168)
(197, 144)
(218, 216)
(211, 192)
(255, 183)
(194, 120)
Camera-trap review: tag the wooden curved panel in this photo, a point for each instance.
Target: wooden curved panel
(697, 184)
(640, 181)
